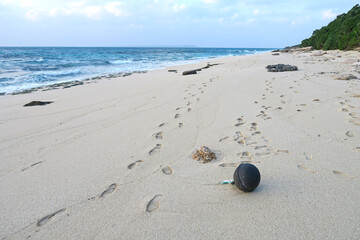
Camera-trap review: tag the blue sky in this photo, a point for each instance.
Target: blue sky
(203, 23)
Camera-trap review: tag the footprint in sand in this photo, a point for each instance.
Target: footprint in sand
(352, 114)
(166, 170)
(224, 138)
(264, 154)
(344, 110)
(240, 122)
(181, 125)
(177, 115)
(229, 165)
(350, 134)
(357, 123)
(305, 168)
(343, 174)
(356, 149)
(256, 133)
(47, 218)
(154, 203)
(109, 190)
(189, 109)
(245, 155)
(177, 108)
(268, 140)
(238, 135)
(158, 135)
(283, 151)
(162, 124)
(307, 156)
(134, 164)
(34, 164)
(155, 150)
(261, 147)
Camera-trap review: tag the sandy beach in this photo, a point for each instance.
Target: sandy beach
(112, 159)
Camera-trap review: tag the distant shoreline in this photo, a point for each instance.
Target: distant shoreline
(125, 60)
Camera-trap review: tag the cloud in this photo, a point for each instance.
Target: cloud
(209, 1)
(235, 16)
(93, 12)
(53, 12)
(26, 3)
(328, 14)
(256, 12)
(179, 7)
(116, 8)
(32, 15)
(78, 4)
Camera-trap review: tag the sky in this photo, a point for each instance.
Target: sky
(200, 23)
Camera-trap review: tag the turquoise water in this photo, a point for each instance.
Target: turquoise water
(24, 67)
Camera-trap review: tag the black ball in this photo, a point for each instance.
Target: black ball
(246, 177)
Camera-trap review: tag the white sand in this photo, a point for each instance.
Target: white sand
(66, 154)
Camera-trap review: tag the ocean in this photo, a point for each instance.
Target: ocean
(24, 68)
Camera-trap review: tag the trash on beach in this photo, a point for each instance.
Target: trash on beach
(204, 154)
(37, 103)
(232, 182)
(246, 177)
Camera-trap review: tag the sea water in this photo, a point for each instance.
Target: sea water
(23, 68)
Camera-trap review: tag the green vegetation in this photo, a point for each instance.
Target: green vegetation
(343, 33)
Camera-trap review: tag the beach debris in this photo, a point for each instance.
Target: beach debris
(37, 103)
(281, 68)
(232, 182)
(172, 70)
(194, 71)
(204, 154)
(246, 177)
(346, 77)
(189, 72)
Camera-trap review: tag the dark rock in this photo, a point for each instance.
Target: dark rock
(173, 71)
(346, 77)
(36, 103)
(275, 54)
(281, 68)
(189, 72)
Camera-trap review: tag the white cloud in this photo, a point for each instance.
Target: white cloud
(209, 1)
(32, 15)
(256, 12)
(116, 8)
(179, 7)
(53, 12)
(93, 12)
(26, 3)
(78, 4)
(235, 16)
(328, 14)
